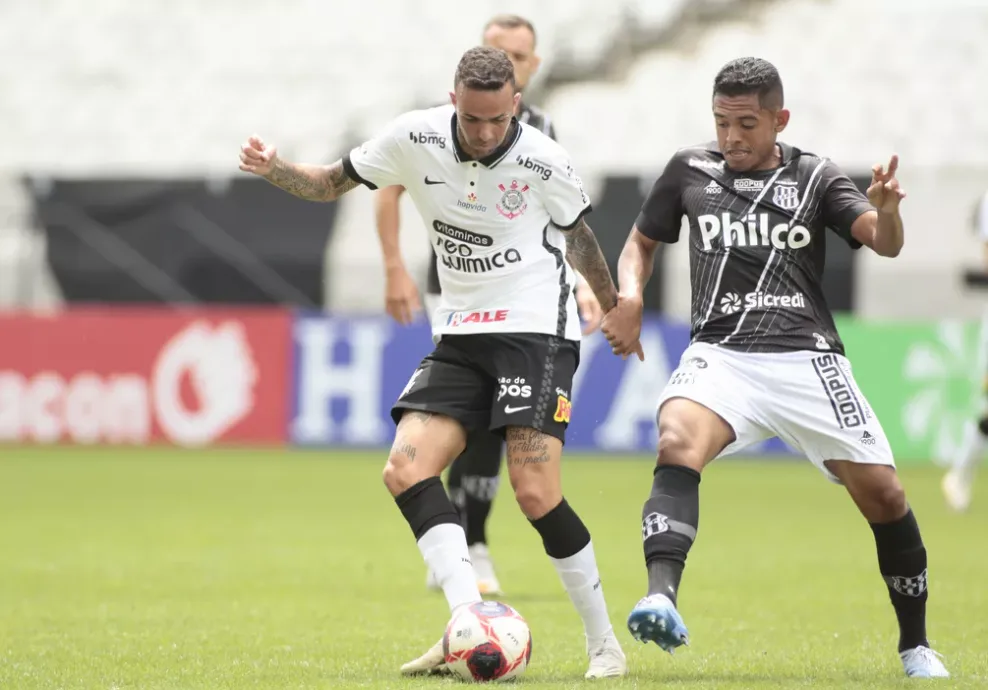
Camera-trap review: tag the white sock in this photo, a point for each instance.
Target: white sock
(444, 548)
(582, 582)
(971, 449)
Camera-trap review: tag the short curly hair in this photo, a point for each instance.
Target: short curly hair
(485, 69)
(751, 75)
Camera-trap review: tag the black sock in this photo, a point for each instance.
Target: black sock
(426, 505)
(669, 520)
(902, 562)
(563, 532)
(473, 482)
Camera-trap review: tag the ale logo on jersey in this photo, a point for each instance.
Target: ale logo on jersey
(461, 317)
(732, 302)
(512, 203)
(754, 230)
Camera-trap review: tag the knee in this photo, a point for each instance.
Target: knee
(676, 447)
(887, 500)
(535, 498)
(397, 473)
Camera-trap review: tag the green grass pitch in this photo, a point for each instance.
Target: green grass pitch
(165, 569)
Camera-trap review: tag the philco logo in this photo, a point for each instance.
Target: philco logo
(430, 138)
(544, 170)
(753, 231)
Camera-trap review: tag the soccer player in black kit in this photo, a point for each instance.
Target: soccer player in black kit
(765, 358)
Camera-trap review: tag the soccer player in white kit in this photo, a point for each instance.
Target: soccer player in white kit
(959, 480)
(505, 211)
(765, 358)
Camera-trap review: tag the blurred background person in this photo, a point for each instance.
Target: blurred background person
(958, 482)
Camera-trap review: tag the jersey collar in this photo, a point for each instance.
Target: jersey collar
(495, 156)
(787, 152)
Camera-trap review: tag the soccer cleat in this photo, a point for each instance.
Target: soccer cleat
(956, 486)
(432, 662)
(923, 662)
(606, 659)
(483, 569)
(655, 619)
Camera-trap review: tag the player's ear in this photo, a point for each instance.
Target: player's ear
(781, 119)
(517, 100)
(452, 97)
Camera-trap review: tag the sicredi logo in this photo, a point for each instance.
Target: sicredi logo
(731, 302)
(753, 231)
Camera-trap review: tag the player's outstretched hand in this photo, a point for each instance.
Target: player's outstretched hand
(589, 307)
(257, 157)
(401, 296)
(622, 326)
(884, 192)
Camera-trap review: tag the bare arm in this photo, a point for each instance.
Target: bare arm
(881, 231)
(584, 255)
(635, 264)
(388, 218)
(311, 182)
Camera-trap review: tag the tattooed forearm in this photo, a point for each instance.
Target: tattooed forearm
(526, 446)
(583, 254)
(311, 182)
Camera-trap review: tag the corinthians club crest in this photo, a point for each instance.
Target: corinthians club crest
(512, 203)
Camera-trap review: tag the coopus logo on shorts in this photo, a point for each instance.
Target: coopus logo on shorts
(755, 230)
(731, 302)
(843, 398)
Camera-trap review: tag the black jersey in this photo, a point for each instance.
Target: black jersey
(757, 245)
(531, 116)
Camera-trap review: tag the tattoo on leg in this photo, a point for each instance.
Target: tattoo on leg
(527, 447)
(406, 449)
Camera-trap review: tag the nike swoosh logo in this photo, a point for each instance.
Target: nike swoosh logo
(508, 409)
(428, 181)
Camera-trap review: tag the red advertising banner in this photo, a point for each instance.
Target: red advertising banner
(191, 377)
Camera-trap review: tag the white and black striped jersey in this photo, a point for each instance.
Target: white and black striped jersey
(757, 245)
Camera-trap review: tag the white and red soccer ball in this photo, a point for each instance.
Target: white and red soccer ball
(487, 641)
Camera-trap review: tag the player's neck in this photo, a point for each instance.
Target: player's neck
(772, 162)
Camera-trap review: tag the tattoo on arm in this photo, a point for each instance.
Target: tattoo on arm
(406, 449)
(584, 255)
(527, 446)
(312, 182)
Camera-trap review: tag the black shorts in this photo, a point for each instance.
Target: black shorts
(496, 380)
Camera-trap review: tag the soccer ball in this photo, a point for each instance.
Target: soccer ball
(487, 641)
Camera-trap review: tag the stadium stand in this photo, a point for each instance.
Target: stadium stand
(120, 89)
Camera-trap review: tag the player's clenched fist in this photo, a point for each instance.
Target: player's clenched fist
(257, 157)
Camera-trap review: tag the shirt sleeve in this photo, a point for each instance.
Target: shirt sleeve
(843, 203)
(565, 198)
(378, 161)
(661, 215)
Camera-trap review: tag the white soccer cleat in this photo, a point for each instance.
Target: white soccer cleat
(956, 486)
(433, 661)
(607, 659)
(923, 662)
(483, 568)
